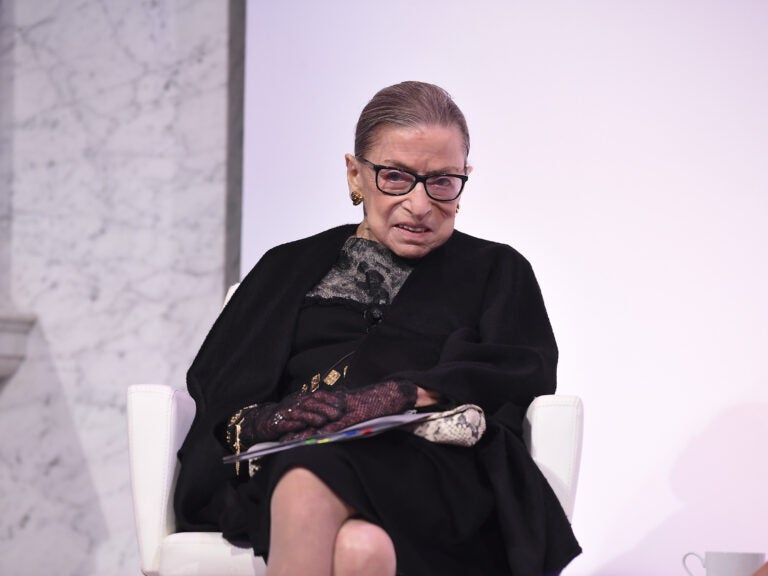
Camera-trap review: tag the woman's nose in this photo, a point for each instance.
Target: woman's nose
(418, 202)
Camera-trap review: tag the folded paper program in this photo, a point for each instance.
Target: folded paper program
(460, 426)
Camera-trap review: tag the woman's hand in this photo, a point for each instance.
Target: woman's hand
(294, 413)
(381, 399)
(426, 397)
(300, 416)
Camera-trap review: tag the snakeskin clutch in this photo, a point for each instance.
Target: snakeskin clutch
(460, 426)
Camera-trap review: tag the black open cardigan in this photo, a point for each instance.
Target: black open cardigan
(469, 322)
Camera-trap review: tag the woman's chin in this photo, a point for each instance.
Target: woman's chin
(410, 250)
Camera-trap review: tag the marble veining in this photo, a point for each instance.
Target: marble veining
(114, 170)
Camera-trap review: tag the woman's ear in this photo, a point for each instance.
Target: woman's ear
(353, 174)
(354, 181)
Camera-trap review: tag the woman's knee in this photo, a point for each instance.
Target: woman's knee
(363, 548)
(301, 492)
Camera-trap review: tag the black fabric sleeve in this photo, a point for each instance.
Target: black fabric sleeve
(509, 356)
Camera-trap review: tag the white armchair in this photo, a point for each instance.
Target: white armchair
(159, 418)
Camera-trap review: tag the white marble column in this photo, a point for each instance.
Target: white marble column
(114, 170)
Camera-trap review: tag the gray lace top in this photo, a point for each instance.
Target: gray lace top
(366, 272)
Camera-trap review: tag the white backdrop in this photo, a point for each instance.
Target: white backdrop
(621, 146)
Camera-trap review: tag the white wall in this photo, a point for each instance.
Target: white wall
(621, 146)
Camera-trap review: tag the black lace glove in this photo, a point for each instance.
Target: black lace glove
(272, 421)
(381, 399)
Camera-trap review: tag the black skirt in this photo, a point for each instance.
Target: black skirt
(433, 500)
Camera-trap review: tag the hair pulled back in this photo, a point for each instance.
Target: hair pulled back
(408, 104)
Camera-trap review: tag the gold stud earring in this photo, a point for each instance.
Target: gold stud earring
(457, 208)
(356, 197)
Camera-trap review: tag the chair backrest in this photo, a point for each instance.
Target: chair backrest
(230, 292)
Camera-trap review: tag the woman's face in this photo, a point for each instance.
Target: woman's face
(414, 224)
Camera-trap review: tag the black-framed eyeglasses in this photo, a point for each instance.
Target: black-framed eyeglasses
(398, 182)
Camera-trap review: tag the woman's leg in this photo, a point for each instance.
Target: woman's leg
(312, 533)
(306, 516)
(363, 548)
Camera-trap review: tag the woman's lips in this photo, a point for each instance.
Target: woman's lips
(412, 229)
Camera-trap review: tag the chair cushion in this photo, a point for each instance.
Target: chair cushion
(206, 554)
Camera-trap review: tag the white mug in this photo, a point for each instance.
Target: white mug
(727, 563)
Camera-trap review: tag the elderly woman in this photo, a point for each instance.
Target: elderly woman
(398, 312)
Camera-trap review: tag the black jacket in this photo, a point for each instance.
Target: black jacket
(469, 322)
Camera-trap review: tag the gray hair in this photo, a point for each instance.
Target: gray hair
(408, 104)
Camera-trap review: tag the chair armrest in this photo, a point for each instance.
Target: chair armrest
(553, 433)
(159, 418)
